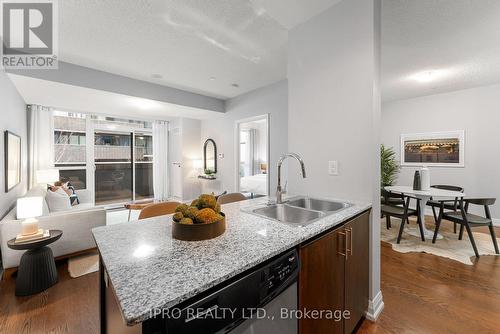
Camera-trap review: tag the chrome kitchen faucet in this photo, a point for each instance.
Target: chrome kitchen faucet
(279, 191)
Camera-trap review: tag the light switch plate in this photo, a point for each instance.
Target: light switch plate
(333, 167)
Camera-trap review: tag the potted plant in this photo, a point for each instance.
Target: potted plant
(389, 166)
(210, 174)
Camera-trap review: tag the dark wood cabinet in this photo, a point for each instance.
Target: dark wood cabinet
(334, 276)
(321, 281)
(357, 270)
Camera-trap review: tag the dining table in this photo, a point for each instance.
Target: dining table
(424, 196)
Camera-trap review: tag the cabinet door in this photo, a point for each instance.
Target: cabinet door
(357, 270)
(321, 281)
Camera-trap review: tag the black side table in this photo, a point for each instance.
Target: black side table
(37, 270)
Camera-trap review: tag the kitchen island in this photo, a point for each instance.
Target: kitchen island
(147, 270)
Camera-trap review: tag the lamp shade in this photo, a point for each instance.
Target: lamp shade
(198, 164)
(29, 207)
(47, 175)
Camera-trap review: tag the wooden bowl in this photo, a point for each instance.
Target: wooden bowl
(197, 232)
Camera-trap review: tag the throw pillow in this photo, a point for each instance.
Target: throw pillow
(58, 200)
(73, 196)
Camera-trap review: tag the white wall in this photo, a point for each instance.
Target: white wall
(477, 111)
(185, 149)
(334, 110)
(13, 118)
(272, 100)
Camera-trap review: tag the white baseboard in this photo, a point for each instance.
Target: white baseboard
(375, 307)
(496, 222)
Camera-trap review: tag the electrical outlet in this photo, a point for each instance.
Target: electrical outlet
(333, 167)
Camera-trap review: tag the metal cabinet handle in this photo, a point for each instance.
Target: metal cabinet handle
(349, 249)
(345, 238)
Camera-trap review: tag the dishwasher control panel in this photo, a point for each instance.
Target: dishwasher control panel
(278, 273)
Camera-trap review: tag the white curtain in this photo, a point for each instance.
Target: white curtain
(40, 140)
(160, 160)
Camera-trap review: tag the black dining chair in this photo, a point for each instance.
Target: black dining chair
(402, 212)
(469, 220)
(388, 197)
(450, 206)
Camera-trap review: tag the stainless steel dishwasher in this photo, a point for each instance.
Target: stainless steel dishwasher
(250, 305)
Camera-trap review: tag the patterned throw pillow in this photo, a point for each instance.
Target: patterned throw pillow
(73, 197)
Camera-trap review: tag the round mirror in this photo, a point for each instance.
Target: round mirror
(210, 157)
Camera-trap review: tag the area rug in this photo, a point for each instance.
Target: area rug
(449, 247)
(83, 265)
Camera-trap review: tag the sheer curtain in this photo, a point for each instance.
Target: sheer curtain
(40, 140)
(160, 160)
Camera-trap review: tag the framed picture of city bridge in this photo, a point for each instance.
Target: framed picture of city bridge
(438, 149)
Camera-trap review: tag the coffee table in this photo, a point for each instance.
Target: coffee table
(37, 270)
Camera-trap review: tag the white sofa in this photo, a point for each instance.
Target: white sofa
(76, 224)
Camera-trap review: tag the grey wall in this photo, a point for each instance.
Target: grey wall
(13, 118)
(474, 110)
(86, 77)
(334, 109)
(272, 100)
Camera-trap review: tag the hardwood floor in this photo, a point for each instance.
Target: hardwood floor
(422, 294)
(429, 294)
(70, 306)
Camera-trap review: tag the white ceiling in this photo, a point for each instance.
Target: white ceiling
(75, 98)
(459, 37)
(186, 42)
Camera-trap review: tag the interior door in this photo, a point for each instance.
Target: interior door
(321, 281)
(356, 270)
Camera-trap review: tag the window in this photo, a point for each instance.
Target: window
(121, 151)
(70, 148)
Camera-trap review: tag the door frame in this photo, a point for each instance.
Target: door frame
(267, 118)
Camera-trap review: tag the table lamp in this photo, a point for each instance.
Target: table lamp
(28, 208)
(48, 176)
(197, 164)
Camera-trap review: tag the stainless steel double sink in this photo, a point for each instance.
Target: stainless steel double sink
(300, 211)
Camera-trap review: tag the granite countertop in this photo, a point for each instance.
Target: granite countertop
(150, 270)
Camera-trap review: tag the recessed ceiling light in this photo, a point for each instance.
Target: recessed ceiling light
(211, 78)
(156, 76)
(235, 85)
(429, 76)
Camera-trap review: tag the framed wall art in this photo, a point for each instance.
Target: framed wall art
(438, 149)
(12, 160)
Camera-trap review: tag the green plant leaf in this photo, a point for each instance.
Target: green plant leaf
(389, 166)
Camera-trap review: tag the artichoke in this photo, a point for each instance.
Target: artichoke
(178, 217)
(191, 212)
(207, 201)
(207, 216)
(195, 203)
(181, 208)
(187, 221)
